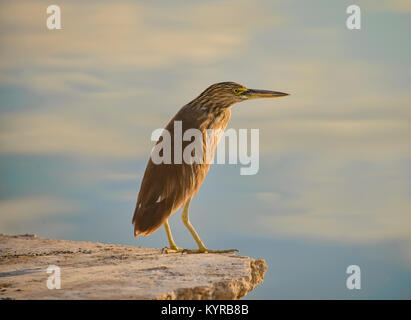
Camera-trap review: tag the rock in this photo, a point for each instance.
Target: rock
(91, 270)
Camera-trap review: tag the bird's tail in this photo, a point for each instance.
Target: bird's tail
(148, 219)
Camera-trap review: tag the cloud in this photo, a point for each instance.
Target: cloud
(58, 82)
(108, 37)
(352, 116)
(129, 197)
(65, 134)
(397, 6)
(35, 214)
(324, 222)
(336, 200)
(122, 176)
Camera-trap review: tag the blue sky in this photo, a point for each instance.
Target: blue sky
(78, 105)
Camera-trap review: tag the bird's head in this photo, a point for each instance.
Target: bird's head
(228, 93)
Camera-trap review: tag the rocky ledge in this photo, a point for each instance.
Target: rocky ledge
(91, 270)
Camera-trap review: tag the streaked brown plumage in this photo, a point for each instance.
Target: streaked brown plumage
(167, 187)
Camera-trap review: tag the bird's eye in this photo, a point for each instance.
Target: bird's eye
(239, 91)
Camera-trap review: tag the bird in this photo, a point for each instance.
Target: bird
(166, 187)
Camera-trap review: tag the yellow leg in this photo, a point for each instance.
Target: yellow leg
(173, 246)
(189, 226)
(201, 247)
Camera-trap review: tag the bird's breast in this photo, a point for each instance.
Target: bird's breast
(219, 119)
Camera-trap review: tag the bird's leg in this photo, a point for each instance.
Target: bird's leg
(201, 247)
(189, 226)
(173, 246)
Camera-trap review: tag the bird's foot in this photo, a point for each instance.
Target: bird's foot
(172, 250)
(205, 250)
(200, 250)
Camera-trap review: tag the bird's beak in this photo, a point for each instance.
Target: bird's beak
(255, 94)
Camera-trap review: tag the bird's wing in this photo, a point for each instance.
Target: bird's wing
(166, 187)
(157, 198)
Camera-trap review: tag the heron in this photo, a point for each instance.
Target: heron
(166, 187)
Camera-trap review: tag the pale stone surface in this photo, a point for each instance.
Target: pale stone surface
(91, 270)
